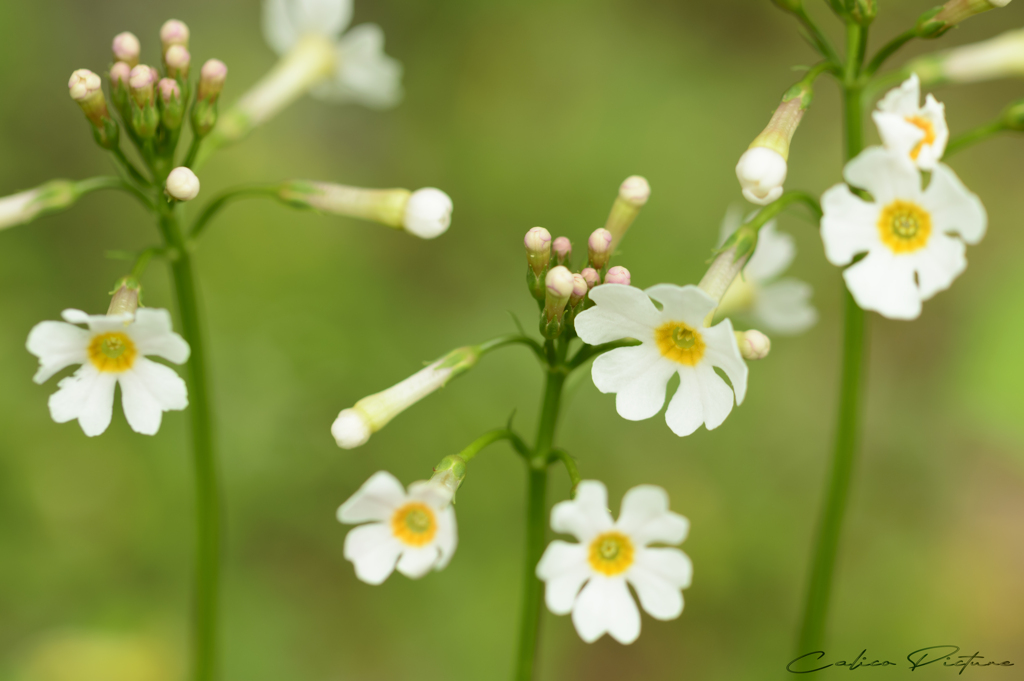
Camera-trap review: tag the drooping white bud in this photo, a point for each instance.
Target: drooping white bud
(762, 174)
(999, 57)
(182, 184)
(428, 213)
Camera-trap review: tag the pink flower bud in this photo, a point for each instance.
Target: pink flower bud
(177, 60)
(538, 249)
(591, 276)
(617, 275)
(599, 246)
(141, 81)
(86, 89)
(559, 286)
(120, 73)
(211, 79)
(174, 32)
(579, 289)
(169, 90)
(126, 48)
(562, 248)
(635, 190)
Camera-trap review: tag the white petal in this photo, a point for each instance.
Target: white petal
(57, 345)
(605, 605)
(715, 395)
(278, 29)
(688, 303)
(939, 263)
(153, 335)
(645, 517)
(658, 575)
(953, 207)
(365, 73)
(639, 375)
(377, 499)
(620, 312)
(285, 21)
(416, 562)
(884, 282)
(432, 493)
(849, 225)
(887, 174)
(774, 253)
(934, 112)
(903, 100)
(587, 515)
(98, 323)
(563, 568)
(148, 390)
(897, 133)
(783, 307)
(373, 550)
(685, 410)
(86, 395)
(617, 368)
(723, 351)
(447, 538)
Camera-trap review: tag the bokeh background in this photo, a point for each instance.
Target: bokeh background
(528, 113)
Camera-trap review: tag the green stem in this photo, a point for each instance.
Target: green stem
(818, 39)
(979, 134)
(780, 204)
(93, 184)
(487, 439)
(588, 351)
(536, 524)
(512, 339)
(851, 385)
(570, 467)
(129, 167)
(193, 151)
(218, 202)
(142, 261)
(888, 50)
(208, 504)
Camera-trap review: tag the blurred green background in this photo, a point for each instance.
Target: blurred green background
(528, 113)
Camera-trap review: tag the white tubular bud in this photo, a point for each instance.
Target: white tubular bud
(753, 344)
(126, 48)
(562, 249)
(633, 194)
(428, 213)
(172, 33)
(599, 248)
(617, 275)
(25, 206)
(86, 88)
(354, 426)
(125, 299)
(999, 57)
(579, 289)
(723, 270)
(182, 184)
(141, 81)
(762, 169)
(211, 79)
(955, 11)
(538, 249)
(558, 285)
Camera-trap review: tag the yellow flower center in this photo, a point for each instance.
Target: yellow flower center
(414, 524)
(904, 226)
(611, 553)
(680, 342)
(929, 133)
(113, 352)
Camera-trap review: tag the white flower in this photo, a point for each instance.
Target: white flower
(111, 351)
(610, 555)
(908, 128)
(673, 340)
(778, 305)
(361, 71)
(415, 530)
(908, 234)
(762, 174)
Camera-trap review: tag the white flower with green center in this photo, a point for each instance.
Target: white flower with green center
(590, 579)
(112, 351)
(780, 306)
(413, 532)
(914, 238)
(674, 340)
(906, 127)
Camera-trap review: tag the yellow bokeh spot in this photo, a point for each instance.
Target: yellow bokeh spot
(680, 342)
(929, 133)
(414, 524)
(611, 553)
(113, 352)
(904, 226)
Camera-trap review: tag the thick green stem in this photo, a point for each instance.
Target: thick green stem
(208, 504)
(851, 385)
(536, 524)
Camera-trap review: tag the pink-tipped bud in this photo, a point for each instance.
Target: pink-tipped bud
(120, 73)
(177, 60)
(211, 79)
(538, 249)
(562, 248)
(173, 32)
(579, 289)
(141, 82)
(617, 275)
(558, 286)
(84, 84)
(599, 247)
(126, 48)
(591, 276)
(169, 90)
(635, 190)
(753, 344)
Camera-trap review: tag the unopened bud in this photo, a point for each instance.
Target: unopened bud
(558, 287)
(126, 48)
(724, 269)
(762, 168)
(86, 88)
(169, 90)
(538, 249)
(633, 194)
(354, 426)
(211, 80)
(125, 298)
(428, 213)
(562, 249)
(1013, 116)
(172, 108)
(177, 60)
(182, 184)
(141, 82)
(599, 248)
(753, 344)
(955, 11)
(120, 74)
(999, 57)
(864, 11)
(591, 276)
(23, 207)
(579, 289)
(617, 275)
(172, 33)
(450, 473)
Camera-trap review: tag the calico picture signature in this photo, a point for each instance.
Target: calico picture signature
(934, 656)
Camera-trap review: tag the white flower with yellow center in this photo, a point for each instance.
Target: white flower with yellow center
(612, 554)
(412, 531)
(781, 306)
(673, 340)
(112, 350)
(909, 128)
(914, 238)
